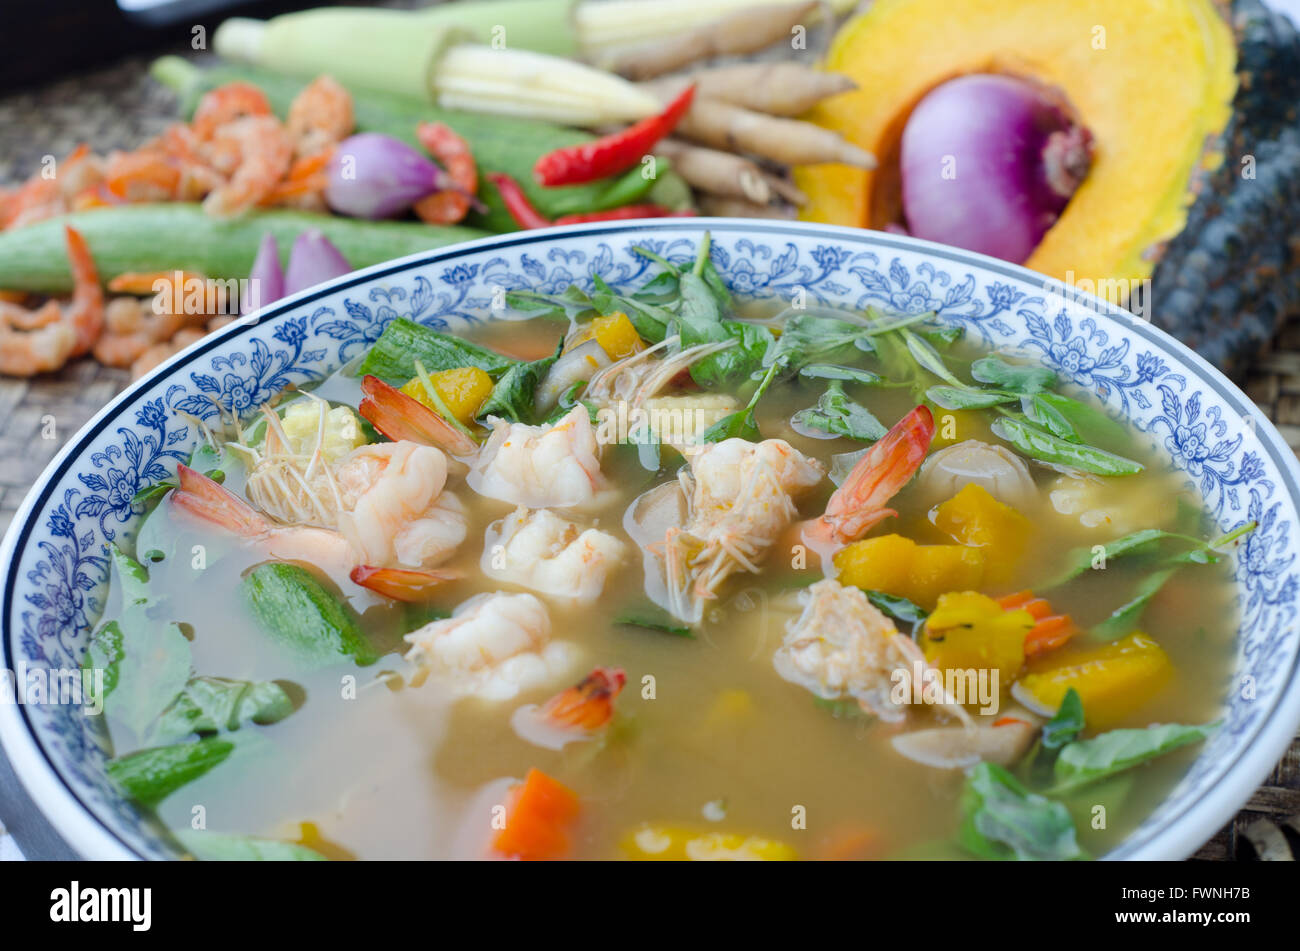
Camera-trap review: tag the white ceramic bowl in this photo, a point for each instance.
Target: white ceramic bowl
(53, 556)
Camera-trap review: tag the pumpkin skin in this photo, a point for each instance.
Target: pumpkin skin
(1156, 83)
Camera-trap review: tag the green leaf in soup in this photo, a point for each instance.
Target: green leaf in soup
(146, 661)
(1046, 417)
(219, 847)
(1043, 446)
(835, 371)
(1144, 541)
(1016, 377)
(843, 709)
(1086, 761)
(814, 338)
(967, 397)
(1066, 724)
(572, 304)
(151, 775)
(214, 704)
(928, 358)
(514, 395)
(741, 424)
(654, 620)
(900, 609)
(1125, 618)
(1001, 819)
(393, 356)
(839, 415)
(941, 336)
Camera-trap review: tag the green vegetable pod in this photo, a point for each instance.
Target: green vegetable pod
(181, 236)
(304, 616)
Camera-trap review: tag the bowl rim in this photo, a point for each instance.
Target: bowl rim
(1181, 834)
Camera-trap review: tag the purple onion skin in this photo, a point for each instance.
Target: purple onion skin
(314, 259)
(266, 279)
(376, 176)
(988, 163)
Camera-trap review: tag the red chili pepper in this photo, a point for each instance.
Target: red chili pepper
(622, 214)
(613, 153)
(517, 203)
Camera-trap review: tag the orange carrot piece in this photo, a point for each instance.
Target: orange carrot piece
(538, 819)
(1049, 634)
(1050, 630)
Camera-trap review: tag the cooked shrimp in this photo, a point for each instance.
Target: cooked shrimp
(144, 175)
(551, 555)
(399, 417)
(255, 152)
(46, 195)
(860, 502)
(429, 538)
(43, 340)
(493, 646)
(395, 510)
(731, 505)
(842, 648)
(450, 205)
(320, 117)
(555, 466)
(131, 327)
(575, 713)
(226, 104)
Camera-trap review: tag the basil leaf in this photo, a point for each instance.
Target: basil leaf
(392, 357)
(149, 776)
(214, 704)
(925, 355)
(741, 424)
(835, 371)
(514, 396)
(1080, 560)
(146, 662)
(1001, 819)
(967, 397)
(1043, 446)
(218, 847)
(651, 621)
(813, 338)
(1066, 724)
(1125, 618)
(836, 413)
(1049, 418)
(1025, 380)
(1086, 761)
(900, 609)
(1090, 424)
(843, 709)
(573, 304)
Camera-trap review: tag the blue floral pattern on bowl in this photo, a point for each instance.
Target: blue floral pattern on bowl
(55, 582)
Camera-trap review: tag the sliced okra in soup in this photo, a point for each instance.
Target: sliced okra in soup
(464, 597)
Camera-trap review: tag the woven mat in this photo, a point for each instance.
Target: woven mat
(121, 107)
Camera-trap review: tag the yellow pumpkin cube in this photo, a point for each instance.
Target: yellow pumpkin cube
(971, 631)
(883, 563)
(940, 568)
(1113, 680)
(974, 517)
(461, 390)
(615, 334)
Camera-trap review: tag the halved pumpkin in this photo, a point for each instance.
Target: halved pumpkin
(1153, 80)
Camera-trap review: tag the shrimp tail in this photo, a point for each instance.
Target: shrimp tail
(860, 503)
(87, 313)
(400, 417)
(590, 704)
(401, 584)
(209, 501)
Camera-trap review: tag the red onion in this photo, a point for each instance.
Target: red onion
(376, 176)
(988, 163)
(313, 259)
(266, 280)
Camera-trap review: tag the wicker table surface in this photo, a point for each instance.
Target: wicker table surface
(121, 107)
